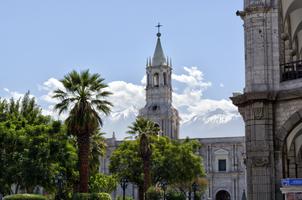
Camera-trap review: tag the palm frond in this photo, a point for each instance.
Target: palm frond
(84, 94)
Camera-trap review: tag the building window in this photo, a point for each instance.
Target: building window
(155, 80)
(222, 165)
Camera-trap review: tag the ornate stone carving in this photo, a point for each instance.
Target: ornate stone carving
(258, 110)
(260, 161)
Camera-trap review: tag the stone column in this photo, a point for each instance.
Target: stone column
(257, 111)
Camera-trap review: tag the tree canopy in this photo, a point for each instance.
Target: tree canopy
(33, 148)
(173, 161)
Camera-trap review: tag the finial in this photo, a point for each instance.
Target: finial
(147, 64)
(171, 62)
(113, 135)
(158, 29)
(150, 63)
(167, 60)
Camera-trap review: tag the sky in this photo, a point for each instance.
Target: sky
(41, 41)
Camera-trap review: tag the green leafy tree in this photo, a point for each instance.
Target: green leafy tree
(126, 162)
(187, 165)
(102, 183)
(34, 148)
(84, 97)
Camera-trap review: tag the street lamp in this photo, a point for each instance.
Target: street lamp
(124, 184)
(163, 185)
(194, 188)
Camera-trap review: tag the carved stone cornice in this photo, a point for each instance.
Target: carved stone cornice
(251, 97)
(257, 7)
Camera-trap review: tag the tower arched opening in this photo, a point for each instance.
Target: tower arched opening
(156, 80)
(165, 78)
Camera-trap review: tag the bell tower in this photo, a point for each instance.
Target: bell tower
(158, 106)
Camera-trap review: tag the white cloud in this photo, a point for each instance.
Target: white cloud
(49, 110)
(194, 79)
(14, 94)
(144, 80)
(221, 85)
(49, 86)
(126, 95)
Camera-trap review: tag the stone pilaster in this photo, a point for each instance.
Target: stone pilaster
(257, 111)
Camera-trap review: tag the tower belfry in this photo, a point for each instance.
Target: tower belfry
(158, 106)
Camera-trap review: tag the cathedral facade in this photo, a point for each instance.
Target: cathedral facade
(223, 158)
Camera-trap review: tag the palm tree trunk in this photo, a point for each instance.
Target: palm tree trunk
(83, 142)
(147, 177)
(141, 192)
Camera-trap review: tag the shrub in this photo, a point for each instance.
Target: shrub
(91, 196)
(25, 197)
(126, 198)
(102, 183)
(154, 193)
(175, 195)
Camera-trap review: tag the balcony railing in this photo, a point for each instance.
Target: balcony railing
(291, 71)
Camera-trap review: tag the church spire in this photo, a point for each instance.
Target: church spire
(158, 56)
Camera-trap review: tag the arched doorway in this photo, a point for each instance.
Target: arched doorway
(223, 195)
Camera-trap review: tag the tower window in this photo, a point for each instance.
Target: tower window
(222, 165)
(165, 78)
(155, 80)
(148, 79)
(155, 107)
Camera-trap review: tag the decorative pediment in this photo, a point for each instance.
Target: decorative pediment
(221, 152)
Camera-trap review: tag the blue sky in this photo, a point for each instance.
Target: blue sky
(40, 40)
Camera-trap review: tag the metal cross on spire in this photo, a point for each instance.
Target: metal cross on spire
(158, 29)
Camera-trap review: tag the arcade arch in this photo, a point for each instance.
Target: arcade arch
(290, 145)
(222, 195)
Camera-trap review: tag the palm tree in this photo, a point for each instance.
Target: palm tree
(84, 97)
(143, 129)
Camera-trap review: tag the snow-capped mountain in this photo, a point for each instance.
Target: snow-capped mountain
(130, 112)
(214, 117)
